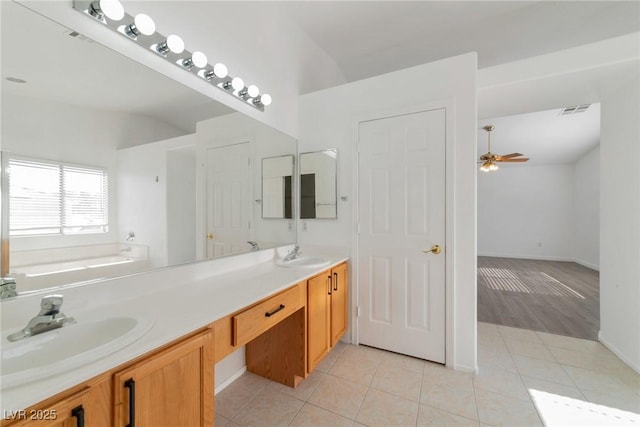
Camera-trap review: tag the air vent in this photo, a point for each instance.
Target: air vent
(574, 109)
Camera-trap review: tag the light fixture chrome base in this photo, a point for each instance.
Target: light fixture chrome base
(156, 44)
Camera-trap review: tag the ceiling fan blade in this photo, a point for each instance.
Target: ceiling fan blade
(522, 159)
(508, 156)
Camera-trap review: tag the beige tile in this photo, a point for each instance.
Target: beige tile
(233, 398)
(355, 368)
(603, 361)
(491, 342)
(620, 402)
(433, 417)
(338, 395)
(384, 409)
(543, 369)
(498, 360)
(569, 343)
(501, 381)
(452, 393)
(527, 335)
(399, 361)
(362, 352)
(311, 415)
(565, 411)
(534, 385)
(221, 421)
(436, 371)
(525, 348)
(304, 389)
(398, 381)
(488, 329)
(498, 410)
(586, 379)
(269, 408)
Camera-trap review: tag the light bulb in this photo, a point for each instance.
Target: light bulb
(220, 70)
(173, 43)
(485, 167)
(199, 59)
(493, 167)
(112, 9)
(237, 83)
(253, 91)
(144, 24)
(266, 99)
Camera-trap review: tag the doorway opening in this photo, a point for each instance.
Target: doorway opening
(538, 223)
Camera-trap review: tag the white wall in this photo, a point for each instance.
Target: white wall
(329, 119)
(620, 222)
(526, 212)
(181, 205)
(586, 216)
(142, 194)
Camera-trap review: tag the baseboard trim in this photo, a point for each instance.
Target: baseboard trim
(618, 353)
(231, 379)
(587, 264)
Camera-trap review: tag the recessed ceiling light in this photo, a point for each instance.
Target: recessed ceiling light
(15, 80)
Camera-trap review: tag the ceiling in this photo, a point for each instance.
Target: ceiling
(546, 137)
(375, 37)
(364, 39)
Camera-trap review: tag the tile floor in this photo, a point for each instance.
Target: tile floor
(526, 379)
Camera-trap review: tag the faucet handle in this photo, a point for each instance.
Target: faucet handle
(50, 305)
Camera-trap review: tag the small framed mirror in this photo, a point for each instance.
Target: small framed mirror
(318, 184)
(277, 187)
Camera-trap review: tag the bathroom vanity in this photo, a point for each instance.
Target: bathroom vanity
(288, 319)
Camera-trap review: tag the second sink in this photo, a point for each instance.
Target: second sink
(304, 262)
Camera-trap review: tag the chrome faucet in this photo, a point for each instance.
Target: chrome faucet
(8, 287)
(254, 246)
(293, 254)
(50, 317)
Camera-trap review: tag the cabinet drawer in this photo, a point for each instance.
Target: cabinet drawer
(252, 322)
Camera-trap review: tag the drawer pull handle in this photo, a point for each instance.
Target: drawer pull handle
(131, 385)
(335, 281)
(78, 414)
(271, 313)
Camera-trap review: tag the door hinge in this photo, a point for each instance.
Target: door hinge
(358, 228)
(249, 161)
(358, 311)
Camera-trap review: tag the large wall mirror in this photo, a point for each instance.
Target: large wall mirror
(318, 179)
(111, 168)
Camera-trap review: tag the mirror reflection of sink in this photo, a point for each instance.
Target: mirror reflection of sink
(304, 262)
(61, 350)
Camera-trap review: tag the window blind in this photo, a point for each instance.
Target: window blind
(51, 198)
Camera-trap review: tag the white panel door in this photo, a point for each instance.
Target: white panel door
(228, 200)
(401, 213)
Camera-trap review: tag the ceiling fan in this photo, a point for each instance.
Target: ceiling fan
(490, 159)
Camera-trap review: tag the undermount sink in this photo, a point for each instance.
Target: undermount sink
(66, 348)
(304, 262)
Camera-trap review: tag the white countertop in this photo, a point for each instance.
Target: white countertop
(179, 300)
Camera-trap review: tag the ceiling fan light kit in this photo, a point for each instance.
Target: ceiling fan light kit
(489, 160)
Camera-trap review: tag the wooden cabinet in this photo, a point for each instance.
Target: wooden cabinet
(326, 312)
(174, 387)
(339, 294)
(318, 319)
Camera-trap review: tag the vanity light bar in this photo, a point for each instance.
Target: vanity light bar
(141, 30)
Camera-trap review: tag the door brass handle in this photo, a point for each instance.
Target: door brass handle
(210, 236)
(436, 249)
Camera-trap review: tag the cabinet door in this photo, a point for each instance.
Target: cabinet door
(171, 388)
(338, 303)
(69, 412)
(318, 318)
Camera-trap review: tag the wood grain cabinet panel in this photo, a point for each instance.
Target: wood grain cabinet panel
(172, 388)
(68, 412)
(318, 318)
(339, 294)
